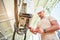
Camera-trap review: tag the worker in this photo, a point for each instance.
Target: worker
(47, 26)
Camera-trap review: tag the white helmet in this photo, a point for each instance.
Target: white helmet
(38, 9)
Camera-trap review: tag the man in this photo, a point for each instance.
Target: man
(46, 26)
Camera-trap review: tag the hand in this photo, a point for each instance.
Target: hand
(33, 31)
(28, 27)
(39, 30)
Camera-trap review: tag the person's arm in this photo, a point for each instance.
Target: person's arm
(39, 30)
(54, 27)
(32, 30)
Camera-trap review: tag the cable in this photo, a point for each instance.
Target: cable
(14, 35)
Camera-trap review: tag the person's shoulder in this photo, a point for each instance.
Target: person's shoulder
(51, 18)
(48, 16)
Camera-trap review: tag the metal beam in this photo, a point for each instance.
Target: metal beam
(16, 12)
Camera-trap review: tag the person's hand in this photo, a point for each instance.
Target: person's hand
(33, 31)
(28, 27)
(39, 30)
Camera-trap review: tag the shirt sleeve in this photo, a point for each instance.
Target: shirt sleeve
(51, 18)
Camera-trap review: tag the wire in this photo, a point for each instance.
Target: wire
(14, 35)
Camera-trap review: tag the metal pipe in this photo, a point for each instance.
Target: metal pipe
(16, 18)
(16, 12)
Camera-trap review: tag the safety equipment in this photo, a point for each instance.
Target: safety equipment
(38, 9)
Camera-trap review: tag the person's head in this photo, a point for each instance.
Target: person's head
(40, 12)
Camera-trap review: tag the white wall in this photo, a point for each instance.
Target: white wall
(9, 5)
